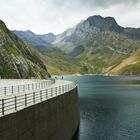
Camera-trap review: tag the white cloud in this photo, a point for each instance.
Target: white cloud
(43, 16)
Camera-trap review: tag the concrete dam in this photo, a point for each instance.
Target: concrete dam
(38, 109)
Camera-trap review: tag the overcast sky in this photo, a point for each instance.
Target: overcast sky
(44, 16)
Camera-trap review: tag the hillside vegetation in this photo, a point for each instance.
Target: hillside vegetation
(16, 58)
(97, 45)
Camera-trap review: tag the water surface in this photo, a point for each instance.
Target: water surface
(110, 107)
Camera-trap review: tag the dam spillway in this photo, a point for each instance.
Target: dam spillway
(39, 110)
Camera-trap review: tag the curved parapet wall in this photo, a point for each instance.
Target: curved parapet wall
(54, 119)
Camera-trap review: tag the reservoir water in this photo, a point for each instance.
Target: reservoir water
(110, 107)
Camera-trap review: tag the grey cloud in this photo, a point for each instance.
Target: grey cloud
(91, 3)
(107, 3)
(42, 16)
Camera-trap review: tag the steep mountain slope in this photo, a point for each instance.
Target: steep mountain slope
(98, 45)
(61, 64)
(133, 33)
(99, 42)
(55, 60)
(16, 59)
(129, 66)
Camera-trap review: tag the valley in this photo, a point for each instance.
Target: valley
(97, 45)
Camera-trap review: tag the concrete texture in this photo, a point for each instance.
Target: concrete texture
(54, 119)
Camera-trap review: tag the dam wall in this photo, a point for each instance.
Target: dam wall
(54, 119)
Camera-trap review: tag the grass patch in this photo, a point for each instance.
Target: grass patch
(12, 50)
(133, 69)
(8, 73)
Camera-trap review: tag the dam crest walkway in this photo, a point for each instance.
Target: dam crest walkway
(17, 94)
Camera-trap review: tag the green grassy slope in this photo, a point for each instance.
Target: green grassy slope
(129, 66)
(16, 58)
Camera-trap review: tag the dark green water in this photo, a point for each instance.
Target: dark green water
(110, 107)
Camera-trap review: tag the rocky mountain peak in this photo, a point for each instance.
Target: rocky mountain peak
(104, 24)
(95, 20)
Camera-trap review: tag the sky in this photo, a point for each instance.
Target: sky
(44, 16)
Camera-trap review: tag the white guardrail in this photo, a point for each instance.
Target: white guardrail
(13, 103)
(22, 88)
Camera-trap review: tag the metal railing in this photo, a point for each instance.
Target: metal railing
(11, 104)
(10, 90)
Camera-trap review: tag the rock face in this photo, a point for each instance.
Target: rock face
(94, 29)
(98, 43)
(16, 59)
(105, 24)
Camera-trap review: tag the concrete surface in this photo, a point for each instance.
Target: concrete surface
(53, 119)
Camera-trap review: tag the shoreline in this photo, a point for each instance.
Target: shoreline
(104, 75)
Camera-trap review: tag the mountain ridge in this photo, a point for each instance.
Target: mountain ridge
(97, 39)
(17, 59)
(32, 39)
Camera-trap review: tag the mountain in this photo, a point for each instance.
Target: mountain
(99, 45)
(61, 64)
(17, 60)
(49, 38)
(99, 42)
(104, 24)
(34, 40)
(93, 28)
(55, 60)
(129, 66)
